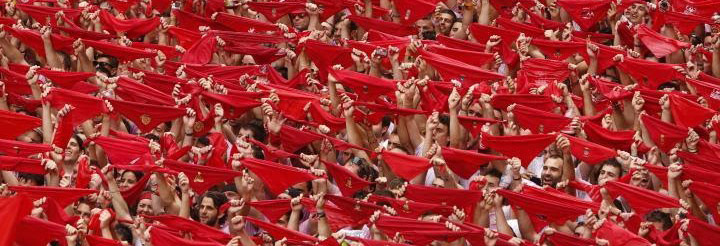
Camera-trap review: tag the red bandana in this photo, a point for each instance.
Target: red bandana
(121, 52)
(276, 10)
(160, 237)
(688, 113)
(16, 124)
(586, 13)
(383, 26)
(405, 166)
(202, 178)
(685, 23)
(279, 232)
(539, 102)
(460, 44)
(558, 50)
(454, 69)
(33, 40)
(474, 58)
(413, 10)
(268, 172)
(133, 28)
(649, 73)
(368, 88)
(197, 229)
(42, 13)
(272, 209)
(442, 196)
(658, 44)
(617, 235)
(538, 121)
(641, 200)
(663, 134)
(474, 124)
(22, 149)
(146, 116)
(26, 232)
(13, 210)
(63, 196)
(465, 163)
(589, 152)
(122, 152)
(507, 145)
(132, 90)
(347, 181)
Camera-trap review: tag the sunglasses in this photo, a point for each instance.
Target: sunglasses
(103, 64)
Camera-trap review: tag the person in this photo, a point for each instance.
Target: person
(454, 122)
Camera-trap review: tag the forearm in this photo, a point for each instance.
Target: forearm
(716, 63)
(185, 205)
(47, 125)
(53, 60)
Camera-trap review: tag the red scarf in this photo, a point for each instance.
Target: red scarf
(20, 164)
(133, 28)
(280, 232)
(202, 178)
(146, 116)
(123, 152)
(63, 196)
(412, 10)
(541, 102)
(368, 88)
(474, 58)
(269, 172)
(13, 210)
(160, 237)
(617, 235)
(450, 197)
(558, 50)
(123, 53)
(658, 44)
(17, 124)
(474, 124)
(539, 121)
(465, 163)
(586, 13)
(405, 166)
(26, 232)
(507, 145)
(649, 73)
(22, 149)
(34, 40)
(589, 152)
(663, 134)
(134, 91)
(197, 229)
(276, 10)
(687, 113)
(384, 26)
(454, 69)
(348, 182)
(641, 200)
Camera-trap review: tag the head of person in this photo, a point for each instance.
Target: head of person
(444, 21)
(144, 206)
(552, 170)
(637, 13)
(30, 179)
(82, 209)
(74, 149)
(441, 133)
(641, 178)
(610, 170)
(106, 64)
(127, 179)
(300, 21)
(455, 29)
(492, 176)
(660, 220)
(424, 25)
(208, 206)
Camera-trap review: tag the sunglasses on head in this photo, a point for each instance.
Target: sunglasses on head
(103, 64)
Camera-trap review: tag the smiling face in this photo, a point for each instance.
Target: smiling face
(552, 171)
(608, 173)
(636, 13)
(208, 212)
(127, 180)
(72, 151)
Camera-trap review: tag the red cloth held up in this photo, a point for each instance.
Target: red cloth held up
(454, 69)
(658, 44)
(347, 181)
(26, 232)
(449, 197)
(160, 237)
(559, 238)
(64, 129)
(269, 172)
(14, 209)
(197, 229)
(122, 5)
(474, 58)
(641, 200)
(663, 134)
(276, 10)
(460, 44)
(201, 51)
(123, 152)
(687, 113)
(391, 225)
(383, 26)
(528, 30)
(589, 152)
(185, 37)
(509, 145)
(586, 13)
(133, 28)
(146, 116)
(132, 90)
(685, 23)
(20, 164)
(293, 139)
(243, 24)
(708, 194)
(122, 53)
(558, 50)
(63, 196)
(465, 163)
(202, 178)
(427, 237)
(538, 121)
(281, 232)
(617, 235)
(33, 39)
(541, 102)
(611, 139)
(368, 88)
(649, 73)
(412, 10)
(474, 124)
(42, 13)
(16, 124)
(169, 51)
(21, 149)
(405, 166)
(704, 233)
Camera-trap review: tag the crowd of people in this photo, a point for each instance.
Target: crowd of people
(359, 122)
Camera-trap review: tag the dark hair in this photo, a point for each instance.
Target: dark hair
(124, 233)
(218, 199)
(138, 175)
(37, 178)
(494, 172)
(204, 140)
(113, 60)
(429, 35)
(386, 120)
(669, 85)
(257, 130)
(444, 119)
(595, 175)
(80, 141)
(658, 216)
(451, 13)
(294, 192)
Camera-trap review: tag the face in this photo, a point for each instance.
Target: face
(72, 151)
(636, 13)
(144, 207)
(393, 141)
(441, 134)
(456, 27)
(300, 21)
(475, 110)
(208, 212)
(641, 179)
(103, 65)
(552, 171)
(492, 182)
(424, 25)
(83, 211)
(444, 22)
(127, 180)
(608, 173)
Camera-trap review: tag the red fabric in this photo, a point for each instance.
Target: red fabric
(122, 5)
(541, 22)
(540, 102)
(694, 7)
(64, 129)
(34, 40)
(699, 174)
(325, 56)
(13, 210)
(460, 44)
(611, 139)
(559, 238)
(539, 121)
(704, 233)
(133, 28)
(93, 240)
(454, 69)
(413, 10)
(641, 200)
(272, 153)
(474, 58)
(186, 38)
(658, 44)
(663, 134)
(505, 7)
(617, 235)
(542, 71)
(122, 53)
(427, 237)
(86, 106)
(545, 206)
(383, 26)
(197, 229)
(507, 145)
(42, 13)
(131, 90)
(244, 24)
(279, 232)
(293, 139)
(482, 33)
(708, 194)
(558, 50)
(528, 30)
(234, 106)
(411, 209)
(170, 51)
(465, 163)
(391, 225)
(268, 172)
(146, 116)
(687, 113)
(370, 242)
(22, 149)
(28, 228)
(272, 209)
(443, 196)
(474, 124)
(202, 178)
(347, 181)
(260, 54)
(368, 88)
(122, 152)
(359, 210)
(159, 237)
(710, 91)
(84, 172)
(685, 23)
(20, 164)
(589, 152)
(276, 10)
(132, 195)
(586, 13)
(405, 166)
(201, 51)
(16, 124)
(649, 73)
(63, 196)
